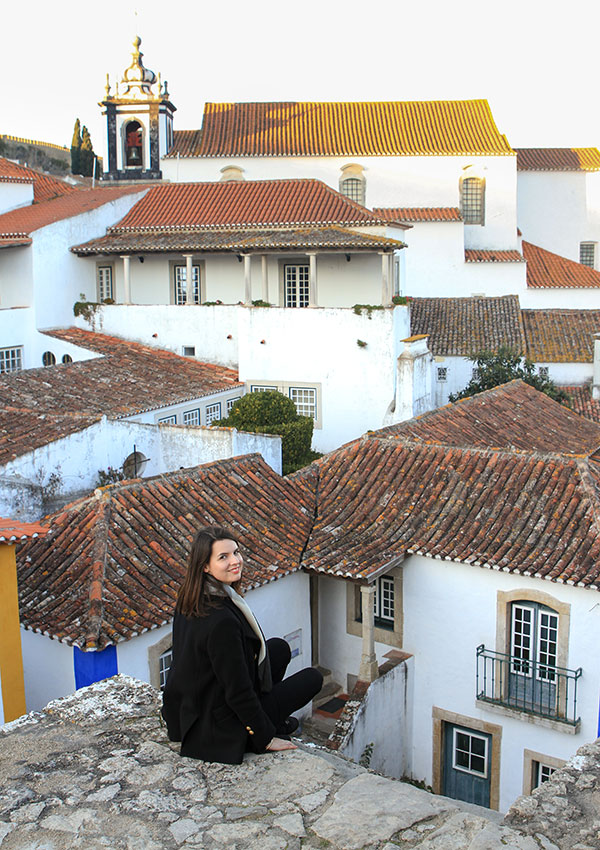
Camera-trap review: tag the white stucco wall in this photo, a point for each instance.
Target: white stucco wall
(569, 374)
(552, 211)
(449, 610)
(13, 195)
(16, 277)
(48, 669)
(407, 181)
(73, 462)
(59, 276)
(579, 299)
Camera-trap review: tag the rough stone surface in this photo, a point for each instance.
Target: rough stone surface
(95, 771)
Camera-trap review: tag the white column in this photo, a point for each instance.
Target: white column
(189, 279)
(265, 277)
(368, 670)
(390, 275)
(127, 278)
(312, 280)
(385, 279)
(247, 279)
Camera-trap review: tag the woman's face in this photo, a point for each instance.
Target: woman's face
(225, 564)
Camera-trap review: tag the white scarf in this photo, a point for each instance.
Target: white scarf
(246, 610)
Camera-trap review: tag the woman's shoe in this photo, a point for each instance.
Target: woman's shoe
(288, 727)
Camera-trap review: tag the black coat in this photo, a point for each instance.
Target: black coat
(211, 700)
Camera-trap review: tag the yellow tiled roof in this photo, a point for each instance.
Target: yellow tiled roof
(387, 128)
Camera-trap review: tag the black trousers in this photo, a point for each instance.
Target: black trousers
(288, 695)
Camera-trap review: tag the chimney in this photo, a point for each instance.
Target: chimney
(413, 379)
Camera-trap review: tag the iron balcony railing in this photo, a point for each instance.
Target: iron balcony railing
(526, 685)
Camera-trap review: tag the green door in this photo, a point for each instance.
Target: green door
(466, 765)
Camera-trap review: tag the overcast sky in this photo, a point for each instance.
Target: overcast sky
(536, 62)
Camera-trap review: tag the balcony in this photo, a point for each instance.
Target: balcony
(528, 686)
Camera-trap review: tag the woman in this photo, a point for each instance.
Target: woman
(225, 692)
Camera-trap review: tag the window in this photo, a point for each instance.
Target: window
(213, 412)
(537, 769)
(169, 420)
(475, 373)
(470, 752)
(164, 665)
(180, 284)
(388, 608)
(191, 417)
(542, 773)
(188, 350)
(104, 280)
(587, 254)
(231, 402)
(305, 399)
(353, 184)
(472, 200)
(11, 359)
(442, 373)
(133, 145)
(66, 358)
(296, 285)
(384, 601)
(48, 358)
(544, 372)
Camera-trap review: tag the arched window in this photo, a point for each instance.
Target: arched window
(472, 200)
(66, 358)
(353, 184)
(133, 145)
(48, 358)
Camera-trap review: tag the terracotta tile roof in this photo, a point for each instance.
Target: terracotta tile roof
(465, 326)
(558, 159)
(131, 378)
(473, 255)
(45, 186)
(337, 238)
(243, 203)
(12, 240)
(561, 336)
(520, 512)
(511, 416)
(583, 403)
(13, 531)
(25, 220)
(443, 127)
(418, 213)
(546, 270)
(23, 430)
(111, 564)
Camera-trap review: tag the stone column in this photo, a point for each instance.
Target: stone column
(247, 279)
(368, 670)
(265, 277)
(385, 279)
(189, 279)
(312, 280)
(127, 278)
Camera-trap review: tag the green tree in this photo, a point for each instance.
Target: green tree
(493, 369)
(86, 154)
(275, 413)
(76, 148)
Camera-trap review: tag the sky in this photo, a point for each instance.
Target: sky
(535, 62)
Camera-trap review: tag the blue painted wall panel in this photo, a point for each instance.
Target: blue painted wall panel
(91, 667)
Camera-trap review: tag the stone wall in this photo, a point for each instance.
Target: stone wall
(95, 770)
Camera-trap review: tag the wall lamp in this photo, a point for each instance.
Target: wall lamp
(141, 259)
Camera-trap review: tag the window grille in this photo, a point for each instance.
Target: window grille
(164, 665)
(472, 200)
(191, 417)
(11, 359)
(442, 373)
(305, 399)
(169, 420)
(180, 273)
(213, 412)
(353, 188)
(48, 358)
(296, 285)
(587, 254)
(105, 283)
(231, 402)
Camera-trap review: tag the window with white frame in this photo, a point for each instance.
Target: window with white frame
(587, 254)
(305, 399)
(213, 412)
(180, 284)
(442, 373)
(469, 752)
(191, 417)
(11, 359)
(104, 279)
(168, 420)
(296, 285)
(541, 773)
(387, 608)
(188, 350)
(544, 371)
(472, 200)
(231, 402)
(384, 601)
(164, 665)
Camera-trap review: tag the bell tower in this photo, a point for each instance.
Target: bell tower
(139, 122)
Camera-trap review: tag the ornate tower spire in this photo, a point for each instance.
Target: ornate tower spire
(138, 79)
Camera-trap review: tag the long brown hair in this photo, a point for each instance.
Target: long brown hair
(193, 599)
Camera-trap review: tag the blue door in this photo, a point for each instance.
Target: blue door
(466, 764)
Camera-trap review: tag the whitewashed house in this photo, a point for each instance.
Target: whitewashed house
(128, 408)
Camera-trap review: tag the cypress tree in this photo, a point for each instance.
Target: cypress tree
(76, 149)
(86, 153)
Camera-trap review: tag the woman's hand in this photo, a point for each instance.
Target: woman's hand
(276, 745)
